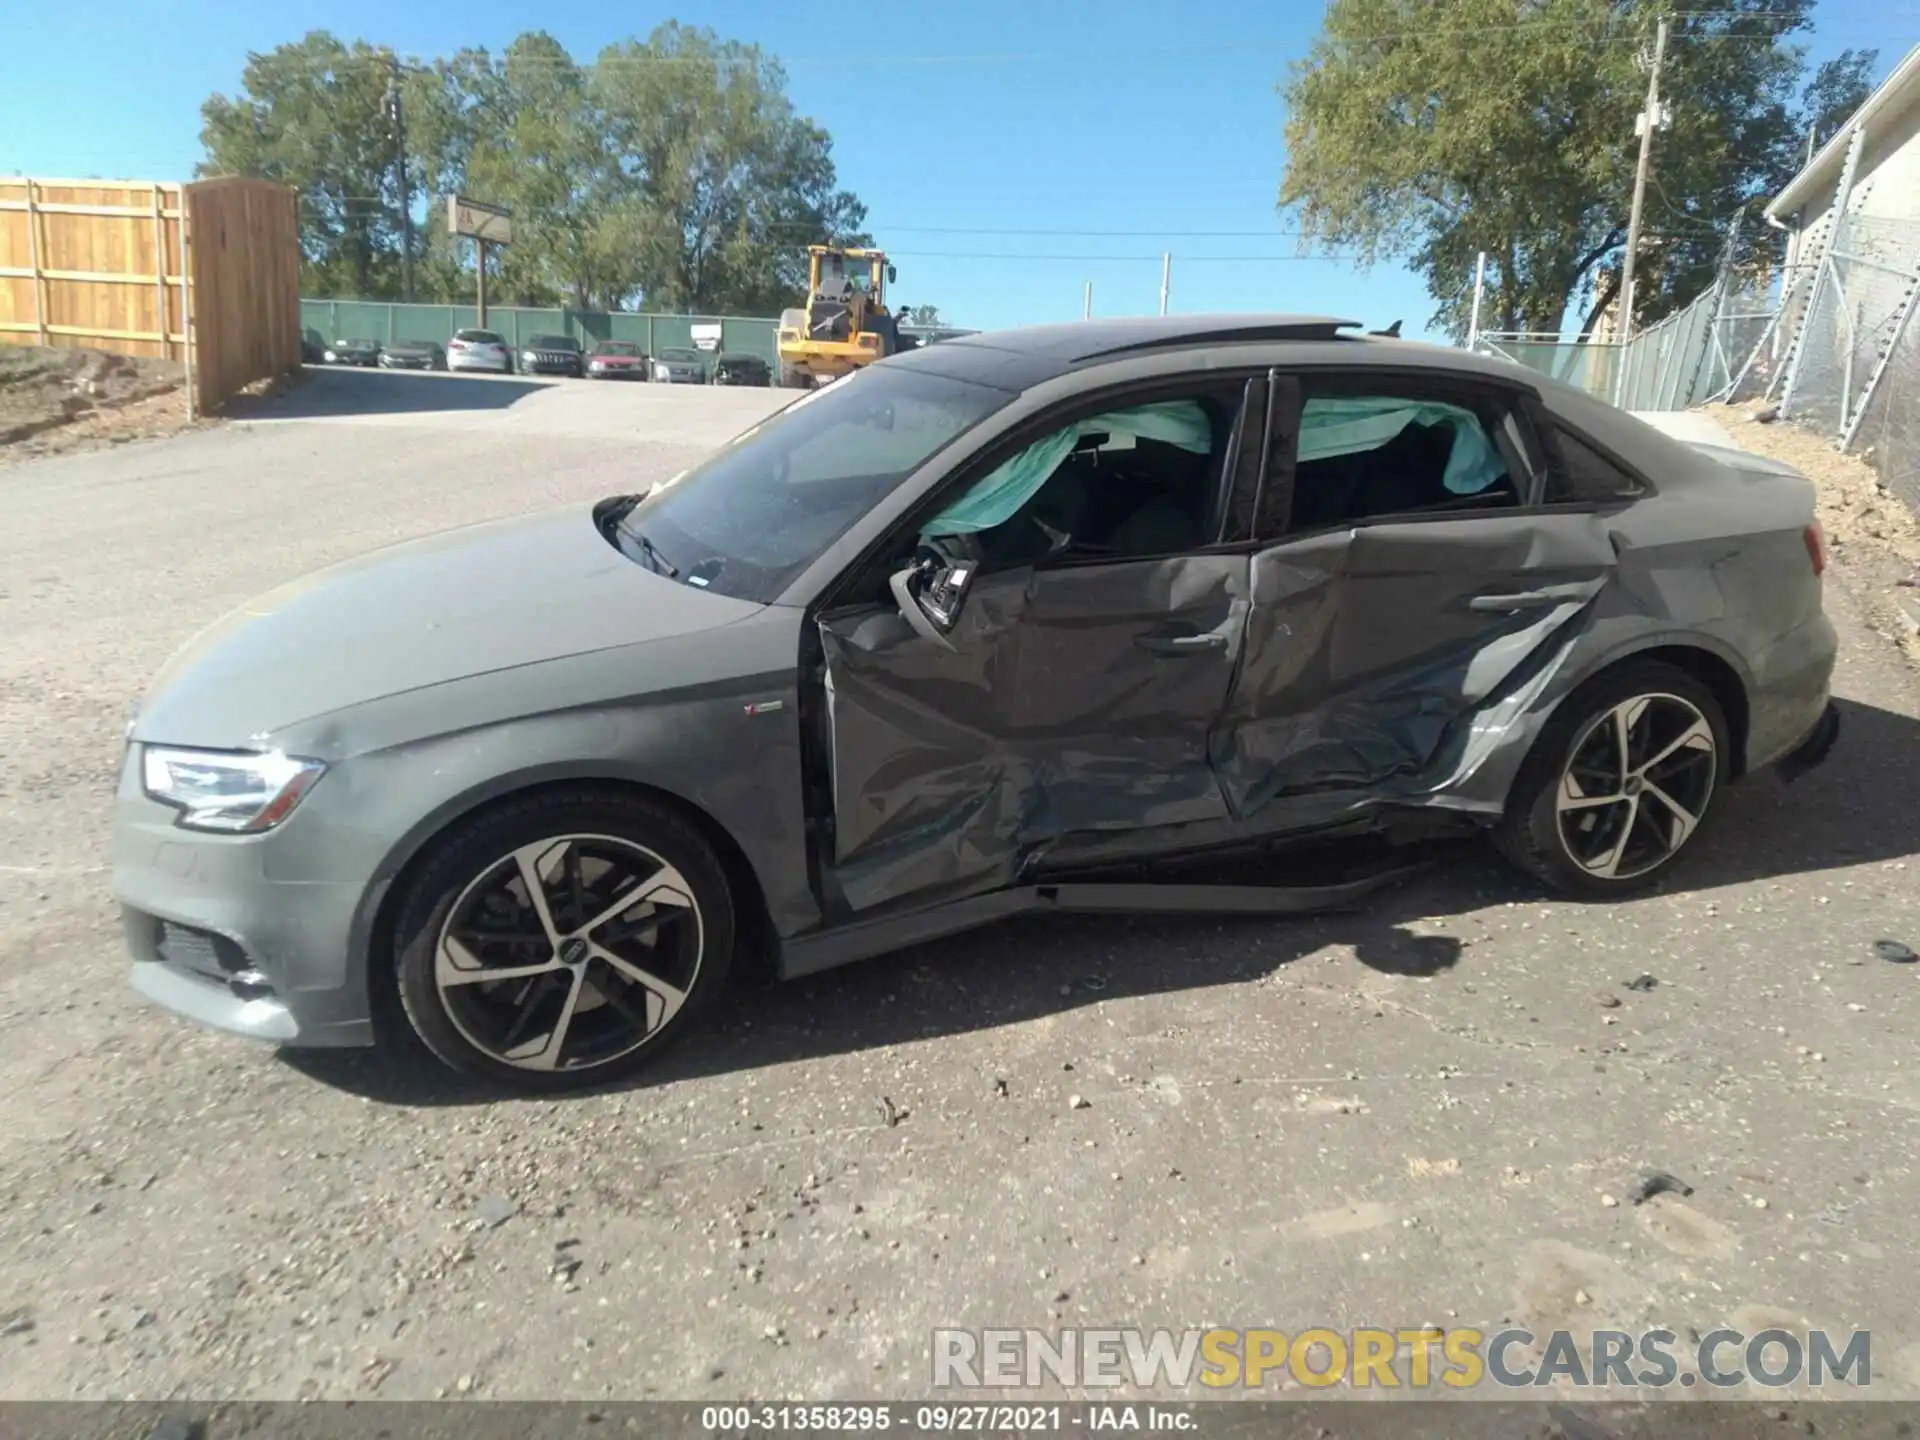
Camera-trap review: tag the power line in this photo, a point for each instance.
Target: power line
(1617, 31)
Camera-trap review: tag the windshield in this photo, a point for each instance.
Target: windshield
(616, 347)
(748, 520)
(552, 342)
(681, 356)
(856, 274)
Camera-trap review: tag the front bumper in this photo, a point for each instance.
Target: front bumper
(489, 367)
(241, 933)
(392, 364)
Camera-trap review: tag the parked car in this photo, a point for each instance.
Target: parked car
(680, 367)
(947, 641)
(742, 370)
(552, 355)
(413, 355)
(312, 348)
(617, 360)
(479, 350)
(352, 352)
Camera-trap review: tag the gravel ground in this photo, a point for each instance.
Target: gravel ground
(1418, 1114)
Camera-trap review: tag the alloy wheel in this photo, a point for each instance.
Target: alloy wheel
(569, 953)
(1636, 786)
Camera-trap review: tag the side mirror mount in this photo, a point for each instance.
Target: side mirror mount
(931, 593)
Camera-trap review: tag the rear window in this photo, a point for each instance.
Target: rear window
(477, 337)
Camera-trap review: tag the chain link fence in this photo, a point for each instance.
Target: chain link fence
(1833, 339)
(1853, 366)
(1692, 356)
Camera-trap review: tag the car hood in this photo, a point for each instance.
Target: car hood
(466, 602)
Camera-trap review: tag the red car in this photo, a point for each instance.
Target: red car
(617, 360)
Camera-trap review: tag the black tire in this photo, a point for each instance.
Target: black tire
(456, 872)
(1531, 835)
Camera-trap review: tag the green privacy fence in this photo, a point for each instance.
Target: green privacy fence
(326, 320)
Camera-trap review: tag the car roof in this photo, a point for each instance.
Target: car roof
(1025, 356)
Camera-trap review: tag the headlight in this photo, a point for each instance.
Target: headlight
(660, 372)
(227, 790)
(331, 355)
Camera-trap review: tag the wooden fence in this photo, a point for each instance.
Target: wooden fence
(205, 273)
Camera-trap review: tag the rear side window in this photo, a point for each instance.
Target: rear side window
(1364, 455)
(1584, 474)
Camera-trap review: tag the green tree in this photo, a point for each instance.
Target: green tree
(315, 115)
(730, 183)
(673, 171)
(1431, 130)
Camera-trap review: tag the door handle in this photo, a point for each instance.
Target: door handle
(1182, 644)
(1531, 599)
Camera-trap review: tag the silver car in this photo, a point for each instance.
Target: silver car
(482, 350)
(979, 630)
(679, 367)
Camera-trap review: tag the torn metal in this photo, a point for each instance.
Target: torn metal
(1203, 699)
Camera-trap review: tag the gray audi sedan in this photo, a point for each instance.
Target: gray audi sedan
(984, 628)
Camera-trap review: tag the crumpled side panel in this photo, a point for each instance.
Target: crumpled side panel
(1049, 716)
(1365, 648)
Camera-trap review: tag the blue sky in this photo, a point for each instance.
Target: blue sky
(1008, 153)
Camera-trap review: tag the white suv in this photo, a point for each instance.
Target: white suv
(479, 350)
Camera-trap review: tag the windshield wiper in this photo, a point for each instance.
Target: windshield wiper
(655, 559)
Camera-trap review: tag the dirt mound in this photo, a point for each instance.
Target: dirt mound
(55, 400)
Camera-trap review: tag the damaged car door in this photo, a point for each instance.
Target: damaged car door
(1410, 580)
(1056, 655)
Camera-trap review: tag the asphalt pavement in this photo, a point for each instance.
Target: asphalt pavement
(1431, 1111)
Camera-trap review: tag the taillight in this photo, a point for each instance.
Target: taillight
(1816, 548)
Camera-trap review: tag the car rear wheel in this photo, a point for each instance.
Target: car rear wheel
(1619, 783)
(564, 940)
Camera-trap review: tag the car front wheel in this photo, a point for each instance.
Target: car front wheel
(564, 940)
(1619, 782)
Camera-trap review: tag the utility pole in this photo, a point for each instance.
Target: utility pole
(1650, 119)
(406, 194)
(1086, 302)
(1479, 290)
(1166, 278)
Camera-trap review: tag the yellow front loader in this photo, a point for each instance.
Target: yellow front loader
(845, 323)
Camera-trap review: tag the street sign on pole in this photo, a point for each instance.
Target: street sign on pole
(482, 221)
(488, 225)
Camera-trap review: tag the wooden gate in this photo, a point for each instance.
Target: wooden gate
(205, 273)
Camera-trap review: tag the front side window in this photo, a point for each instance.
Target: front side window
(1129, 482)
(1361, 456)
(746, 521)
